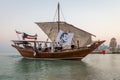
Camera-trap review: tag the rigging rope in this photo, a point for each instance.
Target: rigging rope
(55, 16)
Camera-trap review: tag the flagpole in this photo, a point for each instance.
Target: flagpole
(17, 35)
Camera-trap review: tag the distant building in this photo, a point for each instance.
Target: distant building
(113, 44)
(102, 47)
(118, 48)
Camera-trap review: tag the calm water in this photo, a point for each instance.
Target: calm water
(93, 67)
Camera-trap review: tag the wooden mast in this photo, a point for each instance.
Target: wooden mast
(58, 16)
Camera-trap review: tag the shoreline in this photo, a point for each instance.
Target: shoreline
(100, 52)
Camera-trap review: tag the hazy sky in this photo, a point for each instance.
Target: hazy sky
(99, 17)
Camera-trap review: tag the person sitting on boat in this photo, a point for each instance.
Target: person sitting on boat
(27, 45)
(72, 46)
(40, 47)
(46, 47)
(52, 47)
(58, 47)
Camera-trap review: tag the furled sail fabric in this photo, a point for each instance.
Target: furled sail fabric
(51, 29)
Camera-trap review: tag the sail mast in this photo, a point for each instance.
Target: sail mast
(58, 16)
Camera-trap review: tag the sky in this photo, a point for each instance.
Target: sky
(99, 17)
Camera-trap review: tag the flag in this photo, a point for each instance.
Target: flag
(18, 32)
(27, 36)
(64, 38)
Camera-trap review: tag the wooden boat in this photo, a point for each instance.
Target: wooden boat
(77, 49)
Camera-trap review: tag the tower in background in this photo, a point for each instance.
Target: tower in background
(113, 44)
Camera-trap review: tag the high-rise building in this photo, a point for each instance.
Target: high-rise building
(113, 44)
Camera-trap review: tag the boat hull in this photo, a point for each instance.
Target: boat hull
(76, 54)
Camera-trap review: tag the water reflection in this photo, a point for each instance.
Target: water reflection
(94, 67)
(51, 70)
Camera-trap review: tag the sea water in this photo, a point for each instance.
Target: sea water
(92, 67)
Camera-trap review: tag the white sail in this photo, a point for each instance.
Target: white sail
(51, 29)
